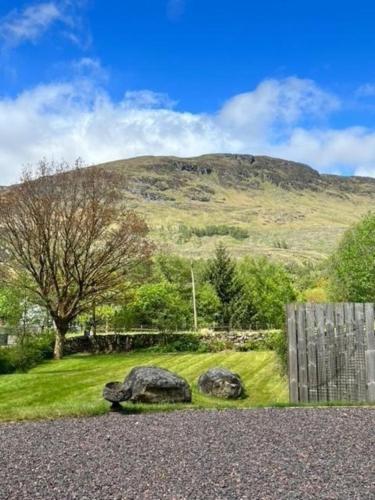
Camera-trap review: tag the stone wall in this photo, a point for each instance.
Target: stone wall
(129, 342)
(238, 339)
(116, 342)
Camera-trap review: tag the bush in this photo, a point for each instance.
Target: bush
(26, 354)
(238, 233)
(5, 362)
(189, 342)
(215, 345)
(186, 343)
(316, 295)
(277, 341)
(160, 306)
(24, 357)
(208, 305)
(266, 288)
(352, 267)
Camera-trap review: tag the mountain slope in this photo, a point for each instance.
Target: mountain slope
(289, 210)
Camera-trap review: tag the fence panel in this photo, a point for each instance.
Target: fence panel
(331, 352)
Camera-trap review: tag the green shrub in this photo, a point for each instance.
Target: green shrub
(160, 306)
(185, 343)
(215, 345)
(44, 342)
(27, 353)
(277, 341)
(352, 267)
(5, 362)
(266, 288)
(238, 233)
(24, 357)
(193, 343)
(189, 343)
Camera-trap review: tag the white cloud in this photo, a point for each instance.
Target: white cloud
(276, 105)
(31, 23)
(75, 120)
(88, 67)
(279, 118)
(140, 99)
(366, 90)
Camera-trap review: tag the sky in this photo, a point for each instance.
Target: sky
(103, 80)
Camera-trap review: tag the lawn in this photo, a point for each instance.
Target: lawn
(73, 386)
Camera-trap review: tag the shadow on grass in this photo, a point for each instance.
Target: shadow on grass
(126, 411)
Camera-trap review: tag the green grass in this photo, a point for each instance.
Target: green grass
(73, 386)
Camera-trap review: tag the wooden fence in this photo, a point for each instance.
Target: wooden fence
(331, 352)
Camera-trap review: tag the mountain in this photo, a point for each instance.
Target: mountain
(259, 205)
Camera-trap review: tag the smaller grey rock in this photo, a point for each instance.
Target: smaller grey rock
(221, 383)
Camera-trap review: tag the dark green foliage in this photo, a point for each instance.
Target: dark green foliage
(244, 294)
(11, 305)
(238, 233)
(307, 275)
(216, 345)
(6, 365)
(185, 343)
(24, 357)
(124, 319)
(173, 269)
(27, 353)
(208, 305)
(266, 288)
(161, 306)
(221, 273)
(190, 343)
(352, 267)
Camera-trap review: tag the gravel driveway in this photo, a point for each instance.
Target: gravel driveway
(234, 454)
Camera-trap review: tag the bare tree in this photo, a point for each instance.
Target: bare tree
(68, 229)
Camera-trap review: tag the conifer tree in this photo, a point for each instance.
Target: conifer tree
(221, 273)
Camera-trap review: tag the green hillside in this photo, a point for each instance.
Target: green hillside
(286, 210)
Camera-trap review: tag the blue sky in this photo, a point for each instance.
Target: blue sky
(105, 80)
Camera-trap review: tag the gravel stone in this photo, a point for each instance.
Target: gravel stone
(278, 454)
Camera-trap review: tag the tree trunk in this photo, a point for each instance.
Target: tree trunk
(61, 330)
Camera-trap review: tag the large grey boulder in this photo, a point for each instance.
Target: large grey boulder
(149, 384)
(221, 383)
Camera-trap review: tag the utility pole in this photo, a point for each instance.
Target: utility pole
(194, 298)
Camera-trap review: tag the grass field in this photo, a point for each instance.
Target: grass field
(73, 386)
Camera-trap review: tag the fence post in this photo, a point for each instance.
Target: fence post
(292, 353)
(302, 354)
(370, 352)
